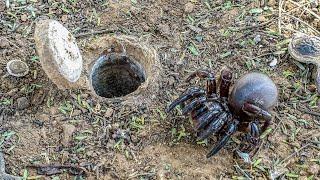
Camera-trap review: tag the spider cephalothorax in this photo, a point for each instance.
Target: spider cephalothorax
(244, 108)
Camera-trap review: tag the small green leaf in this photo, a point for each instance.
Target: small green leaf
(190, 18)
(287, 73)
(257, 162)
(35, 58)
(80, 137)
(193, 49)
(25, 174)
(8, 134)
(227, 5)
(226, 54)
(55, 178)
(292, 175)
(256, 11)
(162, 115)
(134, 1)
(6, 101)
(264, 134)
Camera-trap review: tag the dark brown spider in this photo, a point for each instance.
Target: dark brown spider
(251, 98)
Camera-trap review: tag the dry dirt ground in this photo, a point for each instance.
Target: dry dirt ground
(40, 124)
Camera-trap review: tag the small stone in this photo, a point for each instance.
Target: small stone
(115, 126)
(24, 17)
(23, 103)
(195, 29)
(17, 68)
(64, 18)
(312, 88)
(2, 6)
(65, 157)
(38, 98)
(274, 62)
(262, 18)
(164, 29)
(257, 38)
(54, 110)
(76, 112)
(314, 169)
(109, 112)
(12, 92)
(272, 3)
(189, 7)
(145, 27)
(60, 118)
(171, 81)
(44, 117)
(43, 133)
(67, 131)
(314, 4)
(4, 43)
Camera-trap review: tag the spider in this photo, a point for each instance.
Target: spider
(224, 113)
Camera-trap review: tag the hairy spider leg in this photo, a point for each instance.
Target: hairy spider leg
(214, 126)
(191, 92)
(226, 79)
(230, 130)
(213, 111)
(254, 110)
(194, 104)
(211, 81)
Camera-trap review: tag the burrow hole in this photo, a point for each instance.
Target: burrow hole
(116, 75)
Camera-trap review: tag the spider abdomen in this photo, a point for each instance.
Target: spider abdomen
(254, 88)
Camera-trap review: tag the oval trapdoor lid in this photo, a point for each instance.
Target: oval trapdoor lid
(58, 52)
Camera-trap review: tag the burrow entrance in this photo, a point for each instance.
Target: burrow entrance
(122, 69)
(116, 75)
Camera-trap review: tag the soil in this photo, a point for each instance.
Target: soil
(114, 140)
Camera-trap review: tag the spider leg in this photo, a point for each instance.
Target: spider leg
(265, 125)
(215, 126)
(186, 95)
(254, 129)
(226, 78)
(256, 111)
(210, 103)
(205, 119)
(199, 112)
(252, 138)
(230, 130)
(193, 105)
(211, 81)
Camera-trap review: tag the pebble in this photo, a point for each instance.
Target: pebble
(17, 68)
(38, 98)
(24, 17)
(164, 29)
(314, 4)
(54, 110)
(44, 117)
(23, 103)
(4, 44)
(262, 18)
(12, 92)
(76, 112)
(312, 88)
(109, 112)
(257, 39)
(67, 131)
(64, 18)
(314, 169)
(189, 7)
(274, 62)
